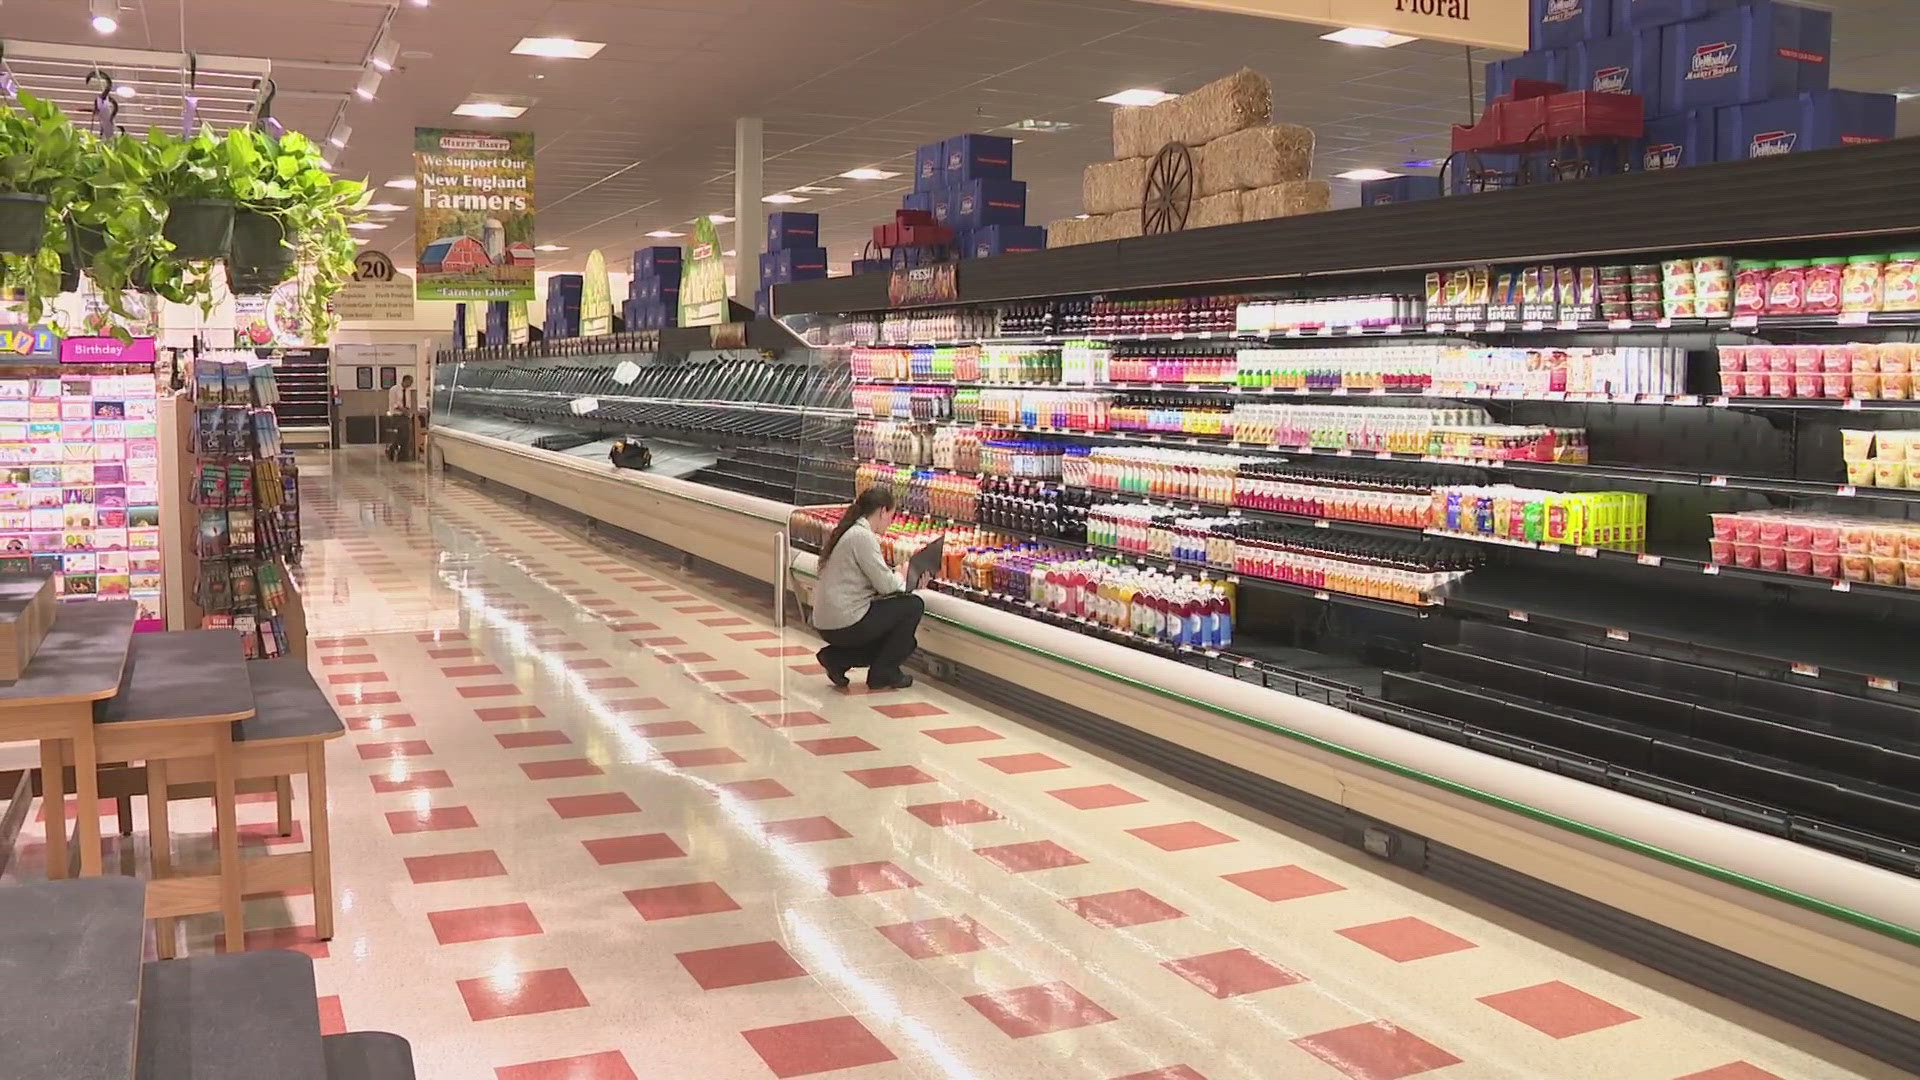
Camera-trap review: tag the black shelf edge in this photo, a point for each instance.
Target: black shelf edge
(1726, 206)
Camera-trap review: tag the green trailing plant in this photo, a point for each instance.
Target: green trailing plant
(285, 179)
(116, 224)
(41, 154)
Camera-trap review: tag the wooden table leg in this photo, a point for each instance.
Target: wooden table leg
(227, 823)
(86, 783)
(283, 804)
(319, 839)
(53, 804)
(166, 931)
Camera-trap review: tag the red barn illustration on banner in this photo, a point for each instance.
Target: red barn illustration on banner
(454, 254)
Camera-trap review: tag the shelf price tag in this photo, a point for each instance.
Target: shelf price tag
(1809, 670)
(1533, 324)
(1555, 548)
(1464, 328)
(1292, 331)
(1518, 616)
(1495, 326)
(1843, 586)
(1846, 491)
(1619, 324)
(1716, 481)
(1436, 328)
(1322, 595)
(1852, 404)
(1568, 324)
(1663, 324)
(1746, 322)
(1853, 318)
(1396, 328)
(1179, 336)
(1648, 560)
(1711, 569)
(1877, 683)
(1618, 635)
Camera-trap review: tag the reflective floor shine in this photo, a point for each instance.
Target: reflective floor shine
(598, 819)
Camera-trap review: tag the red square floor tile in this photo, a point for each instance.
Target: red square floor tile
(755, 790)
(955, 735)
(406, 780)
(1232, 973)
(521, 993)
(723, 675)
(1014, 764)
(457, 653)
(658, 642)
(1128, 907)
(333, 1019)
(958, 812)
(633, 627)
(560, 769)
(597, 805)
(740, 965)
(680, 901)
(350, 678)
(610, 1065)
(890, 776)
(489, 690)
(844, 744)
(808, 668)
(1559, 1010)
(376, 751)
(509, 712)
(483, 923)
(1376, 1051)
(552, 631)
(1282, 883)
(666, 728)
(463, 671)
(805, 830)
(946, 936)
(1171, 1072)
(634, 704)
(706, 755)
(910, 710)
(367, 697)
(343, 659)
(521, 740)
(751, 697)
(1097, 797)
(587, 663)
(616, 613)
(687, 658)
(610, 682)
(339, 642)
(1032, 855)
(1038, 1010)
(597, 601)
(430, 819)
(790, 719)
(785, 650)
(1738, 1070)
(1181, 835)
(1405, 939)
(379, 722)
(297, 938)
(727, 621)
(869, 877)
(614, 850)
(817, 1046)
(698, 609)
(754, 635)
(455, 866)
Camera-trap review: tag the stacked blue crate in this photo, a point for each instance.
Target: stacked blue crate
(653, 293)
(793, 254)
(966, 183)
(563, 305)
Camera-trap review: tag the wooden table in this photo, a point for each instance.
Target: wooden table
(70, 977)
(80, 662)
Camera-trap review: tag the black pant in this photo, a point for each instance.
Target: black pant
(880, 642)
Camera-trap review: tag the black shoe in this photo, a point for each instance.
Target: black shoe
(898, 682)
(836, 676)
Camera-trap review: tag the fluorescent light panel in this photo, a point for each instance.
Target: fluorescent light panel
(665, 234)
(720, 219)
(559, 48)
(1138, 96)
(366, 226)
(406, 182)
(1373, 39)
(782, 198)
(495, 110)
(386, 207)
(551, 247)
(869, 174)
(1365, 174)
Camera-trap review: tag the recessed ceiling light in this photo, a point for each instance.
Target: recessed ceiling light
(665, 234)
(720, 219)
(550, 247)
(496, 110)
(1081, 217)
(868, 174)
(1138, 96)
(359, 240)
(341, 133)
(420, 3)
(1039, 126)
(1365, 174)
(369, 85)
(366, 226)
(1375, 39)
(812, 189)
(782, 198)
(385, 52)
(386, 207)
(106, 15)
(124, 90)
(729, 253)
(406, 182)
(559, 48)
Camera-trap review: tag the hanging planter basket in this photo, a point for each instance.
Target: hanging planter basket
(199, 228)
(69, 274)
(23, 222)
(85, 243)
(254, 281)
(261, 243)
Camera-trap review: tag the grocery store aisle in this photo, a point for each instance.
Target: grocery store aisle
(596, 819)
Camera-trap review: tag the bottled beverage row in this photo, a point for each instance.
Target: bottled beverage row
(1029, 506)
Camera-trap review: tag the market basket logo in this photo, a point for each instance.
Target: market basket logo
(475, 222)
(1715, 61)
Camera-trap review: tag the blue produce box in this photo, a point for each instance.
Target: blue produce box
(788, 229)
(769, 265)
(649, 261)
(1661, 12)
(930, 167)
(979, 203)
(1817, 120)
(1560, 23)
(1676, 142)
(1007, 240)
(566, 285)
(798, 264)
(1755, 52)
(978, 157)
(656, 289)
(1399, 189)
(763, 302)
(1622, 64)
(943, 203)
(923, 200)
(1546, 65)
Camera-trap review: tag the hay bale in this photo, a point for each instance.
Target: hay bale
(1291, 199)
(1112, 186)
(1222, 209)
(1255, 158)
(1120, 226)
(1222, 107)
(1068, 232)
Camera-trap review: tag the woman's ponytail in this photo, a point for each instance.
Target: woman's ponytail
(870, 500)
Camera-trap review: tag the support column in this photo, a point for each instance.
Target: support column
(749, 213)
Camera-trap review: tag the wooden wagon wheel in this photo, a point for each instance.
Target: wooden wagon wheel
(1568, 162)
(1168, 197)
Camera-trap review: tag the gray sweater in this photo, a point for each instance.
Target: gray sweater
(855, 573)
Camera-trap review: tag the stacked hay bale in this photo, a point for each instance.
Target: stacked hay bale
(1245, 168)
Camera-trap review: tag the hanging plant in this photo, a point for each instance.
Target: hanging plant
(292, 211)
(193, 177)
(114, 223)
(41, 156)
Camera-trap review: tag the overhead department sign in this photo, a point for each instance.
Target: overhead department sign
(1499, 24)
(474, 234)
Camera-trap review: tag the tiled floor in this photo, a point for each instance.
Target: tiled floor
(592, 821)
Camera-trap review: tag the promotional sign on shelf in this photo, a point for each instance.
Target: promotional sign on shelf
(379, 292)
(1499, 24)
(28, 344)
(106, 350)
(274, 320)
(519, 326)
(936, 284)
(473, 232)
(596, 298)
(703, 283)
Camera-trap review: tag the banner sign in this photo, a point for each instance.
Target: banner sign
(106, 350)
(19, 343)
(703, 282)
(596, 298)
(1498, 24)
(519, 327)
(378, 292)
(473, 233)
(921, 285)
